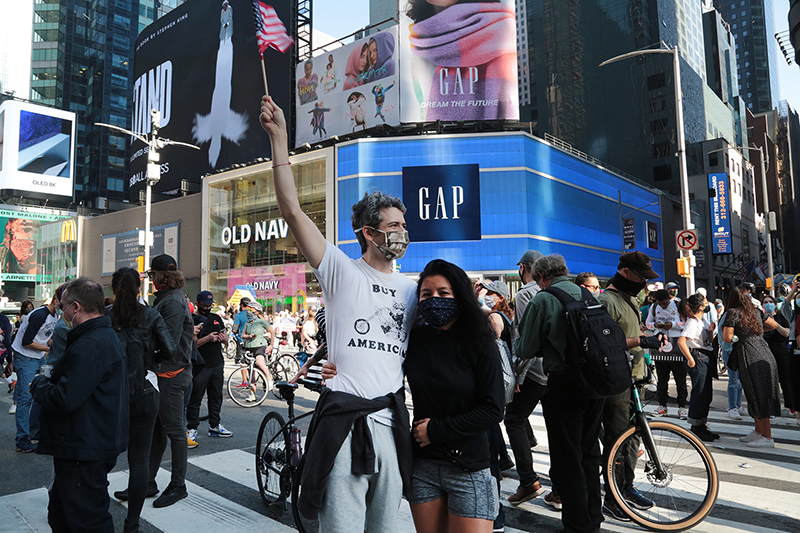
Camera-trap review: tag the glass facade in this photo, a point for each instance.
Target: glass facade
(57, 254)
(250, 245)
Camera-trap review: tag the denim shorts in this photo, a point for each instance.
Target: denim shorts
(469, 494)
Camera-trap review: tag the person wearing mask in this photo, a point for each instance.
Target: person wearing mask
(58, 341)
(710, 315)
(664, 318)
(672, 290)
(208, 381)
(734, 390)
(174, 377)
(84, 413)
(751, 290)
(590, 281)
(751, 356)
(145, 332)
(239, 321)
(531, 384)
(779, 345)
(255, 340)
(453, 370)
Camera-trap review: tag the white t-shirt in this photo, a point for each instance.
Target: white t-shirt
(369, 315)
(697, 334)
(657, 314)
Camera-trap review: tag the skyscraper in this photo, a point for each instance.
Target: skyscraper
(82, 61)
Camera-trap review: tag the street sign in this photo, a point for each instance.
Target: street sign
(686, 239)
(629, 233)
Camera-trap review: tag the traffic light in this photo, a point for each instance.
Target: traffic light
(683, 267)
(769, 283)
(140, 264)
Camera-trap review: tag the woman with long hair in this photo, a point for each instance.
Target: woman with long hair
(147, 337)
(453, 369)
(753, 359)
(779, 346)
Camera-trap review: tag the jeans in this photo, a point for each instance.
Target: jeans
(139, 444)
(207, 381)
(702, 389)
(734, 385)
(517, 413)
(573, 432)
(678, 369)
(79, 497)
(169, 425)
(25, 367)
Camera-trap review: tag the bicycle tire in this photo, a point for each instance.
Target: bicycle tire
(272, 459)
(685, 497)
(252, 394)
(230, 349)
(286, 367)
(304, 525)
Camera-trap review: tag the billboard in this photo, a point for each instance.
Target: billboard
(458, 62)
(199, 66)
(720, 211)
(122, 249)
(37, 147)
(18, 249)
(350, 89)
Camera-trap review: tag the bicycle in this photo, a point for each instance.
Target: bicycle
(248, 386)
(279, 455)
(674, 469)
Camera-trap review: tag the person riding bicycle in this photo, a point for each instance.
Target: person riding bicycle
(239, 321)
(254, 337)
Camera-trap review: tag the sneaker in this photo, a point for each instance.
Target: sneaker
(533, 442)
(704, 434)
(750, 437)
(251, 398)
(25, 446)
(613, 510)
(524, 494)
(219, 431)
(499, 525)
(242, 385)
(660, 411)
(122, 495)
(506, 464)
(553, 500)
(734, 414)
(12, 409)
(683, 413)
(761, 442)
(170, 495)
(651, 387)
(192, 442)
(636, 498)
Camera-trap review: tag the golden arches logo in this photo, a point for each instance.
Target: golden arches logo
(69, 231)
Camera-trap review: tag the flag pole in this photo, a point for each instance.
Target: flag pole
(264, 74)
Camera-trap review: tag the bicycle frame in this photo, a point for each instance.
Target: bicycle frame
(640, 420)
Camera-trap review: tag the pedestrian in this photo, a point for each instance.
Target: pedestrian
(30, 346)
(58, 340)
(590, 281)
(744, 327)
(454, 372)
(664, 318)
(779, 346)
(369, 312)
(84, 413)
(571, 417)
(143, 332)
(174, 377)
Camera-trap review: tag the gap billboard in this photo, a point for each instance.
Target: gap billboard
(350, 89)
(458, 63)
(199, 66)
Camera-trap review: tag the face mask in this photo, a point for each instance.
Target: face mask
(394, 245)
(595, 294)
(707, 309)
(488, 301)
(437, 311)
(769, 308)
(627, 286)
(68, 323)
(673, 292)
(203, 311)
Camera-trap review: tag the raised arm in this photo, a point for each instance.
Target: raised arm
(312, 243)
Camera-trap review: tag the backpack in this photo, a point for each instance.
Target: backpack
(509, 378)
(143, 397)
(597, 349)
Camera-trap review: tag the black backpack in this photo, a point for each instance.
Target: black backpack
(143, 396)
(597, 350)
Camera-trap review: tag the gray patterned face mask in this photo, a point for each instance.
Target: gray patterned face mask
(394, 245)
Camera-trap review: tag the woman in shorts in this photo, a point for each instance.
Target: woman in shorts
(453, 369)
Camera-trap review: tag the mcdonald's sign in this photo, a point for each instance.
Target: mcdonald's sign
(69, 232)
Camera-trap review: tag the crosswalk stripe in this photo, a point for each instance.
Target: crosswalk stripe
(24, 512)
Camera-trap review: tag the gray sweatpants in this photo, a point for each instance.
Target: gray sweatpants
(364, 503)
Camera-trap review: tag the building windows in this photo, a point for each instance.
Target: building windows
(658, 125)
(662, 173)
(660, 150)
(656, 81)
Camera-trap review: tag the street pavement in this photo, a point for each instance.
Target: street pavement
(759, 489)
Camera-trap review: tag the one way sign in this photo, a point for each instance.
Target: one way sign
(686, 239)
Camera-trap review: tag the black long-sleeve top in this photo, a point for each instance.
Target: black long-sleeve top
(459, 386)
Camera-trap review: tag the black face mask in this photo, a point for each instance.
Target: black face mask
(437, 311)
(204, 311)
(627, 286)
(707, 309)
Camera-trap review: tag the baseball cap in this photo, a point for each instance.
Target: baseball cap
(672, 285)
(530, 257)
(498, 287)
(205, 298)
(163, 262)
(639, 262)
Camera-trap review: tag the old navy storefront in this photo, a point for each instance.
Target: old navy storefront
(477, 200)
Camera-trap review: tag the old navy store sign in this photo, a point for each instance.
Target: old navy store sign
(443, 202)
(720, 210)
(264, 231)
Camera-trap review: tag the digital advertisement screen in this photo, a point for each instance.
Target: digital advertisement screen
(18, 249)
(720, 210)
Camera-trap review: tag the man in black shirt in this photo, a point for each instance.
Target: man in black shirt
(210, 379)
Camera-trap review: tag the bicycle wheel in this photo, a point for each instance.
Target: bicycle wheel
(272, 459)
(250, 389)
(230, 349)
(684, 495)
(286, 367)
(304, 525)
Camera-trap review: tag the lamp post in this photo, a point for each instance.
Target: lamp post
(770, 273)
(687, 221)
(154, 143)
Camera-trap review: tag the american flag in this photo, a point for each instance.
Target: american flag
(270, 31)
(742, 271)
